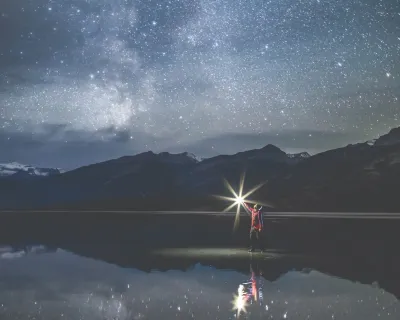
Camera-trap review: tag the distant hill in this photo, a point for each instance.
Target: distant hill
(360, 177)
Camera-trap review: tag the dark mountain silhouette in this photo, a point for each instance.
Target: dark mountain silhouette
(393, 137)
(354, 178)
(360, 177)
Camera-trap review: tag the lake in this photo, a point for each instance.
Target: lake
(37, 282)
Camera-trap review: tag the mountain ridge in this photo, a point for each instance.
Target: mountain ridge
(169, 181)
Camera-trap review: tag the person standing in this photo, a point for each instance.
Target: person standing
(256, 227)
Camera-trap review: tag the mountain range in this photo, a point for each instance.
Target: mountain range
(358, 177)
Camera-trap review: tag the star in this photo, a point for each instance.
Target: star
(179, 74)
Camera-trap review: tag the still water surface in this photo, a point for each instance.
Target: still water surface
(37, 284)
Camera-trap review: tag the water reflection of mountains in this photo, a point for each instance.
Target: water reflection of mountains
(378, 271)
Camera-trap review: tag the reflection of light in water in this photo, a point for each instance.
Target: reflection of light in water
(249, 292)
(239, 301)
(92, 290)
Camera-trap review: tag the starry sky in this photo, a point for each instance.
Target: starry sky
(88, 80)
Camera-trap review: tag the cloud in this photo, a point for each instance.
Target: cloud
(12, 255)
(60, 146)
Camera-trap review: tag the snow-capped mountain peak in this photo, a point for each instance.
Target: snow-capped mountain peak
(303, 155)
(12, 168)
(179, 158)
(194, 157)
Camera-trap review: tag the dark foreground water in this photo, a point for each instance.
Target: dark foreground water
(38, 283)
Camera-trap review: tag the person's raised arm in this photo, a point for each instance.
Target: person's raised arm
(248, 209)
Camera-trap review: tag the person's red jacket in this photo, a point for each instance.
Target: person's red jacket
(256, 217)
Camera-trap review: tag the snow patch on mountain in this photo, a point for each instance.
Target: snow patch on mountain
(178, 158)
(9, 169)
(194, 157)
(303, 155)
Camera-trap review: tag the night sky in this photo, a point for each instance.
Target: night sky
(88, 80)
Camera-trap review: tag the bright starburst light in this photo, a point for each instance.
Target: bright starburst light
(239, 302)
(238, 199)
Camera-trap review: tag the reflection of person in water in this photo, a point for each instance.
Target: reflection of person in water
(249, 292)
(253, 288)
(257, 227)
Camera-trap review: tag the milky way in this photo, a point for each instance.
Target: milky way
(170, 74)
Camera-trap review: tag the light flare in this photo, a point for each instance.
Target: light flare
(239, 199)
(239, 302)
